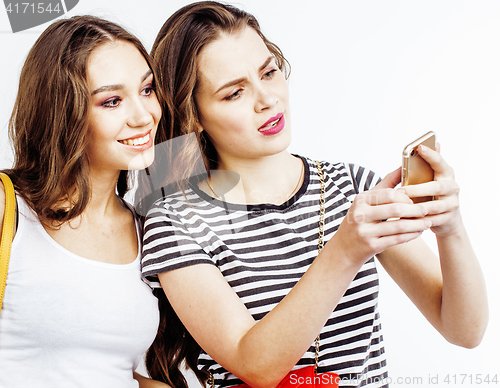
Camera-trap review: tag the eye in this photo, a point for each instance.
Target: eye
(270, 74)
(234, 96)
(112, 102)
(148, 90)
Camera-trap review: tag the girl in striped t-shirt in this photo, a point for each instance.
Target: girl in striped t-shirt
(240, 267)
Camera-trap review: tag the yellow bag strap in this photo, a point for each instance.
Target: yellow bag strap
(7, 231)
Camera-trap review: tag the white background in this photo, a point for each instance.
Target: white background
(367, 78)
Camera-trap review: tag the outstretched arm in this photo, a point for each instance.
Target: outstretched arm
(449, 291)
(262, 353)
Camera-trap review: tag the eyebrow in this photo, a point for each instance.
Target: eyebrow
(239, 80)
(109, 88)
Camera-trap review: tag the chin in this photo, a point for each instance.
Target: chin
(142, 160)
(284, 143)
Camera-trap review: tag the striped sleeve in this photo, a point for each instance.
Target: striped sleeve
(363, 179)
(168, 244)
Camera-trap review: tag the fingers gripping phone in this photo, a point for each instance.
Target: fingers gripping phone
(415, 169)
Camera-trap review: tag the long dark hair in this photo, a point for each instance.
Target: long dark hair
(175, 53)
(49, 123)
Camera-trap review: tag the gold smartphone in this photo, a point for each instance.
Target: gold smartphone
(415, 169)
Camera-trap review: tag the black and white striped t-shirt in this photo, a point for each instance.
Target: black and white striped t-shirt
(263, 250)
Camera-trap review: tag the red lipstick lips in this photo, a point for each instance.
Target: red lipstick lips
(273, 126)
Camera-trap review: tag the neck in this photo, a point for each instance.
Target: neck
(271, 179)
(103, 198)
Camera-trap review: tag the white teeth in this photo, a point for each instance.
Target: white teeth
(271, 125)
(136, 142)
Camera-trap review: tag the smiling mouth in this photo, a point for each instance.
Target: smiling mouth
(135, 142)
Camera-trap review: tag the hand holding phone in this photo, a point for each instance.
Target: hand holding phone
(415, 169)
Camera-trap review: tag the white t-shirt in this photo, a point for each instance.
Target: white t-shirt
(68, 321)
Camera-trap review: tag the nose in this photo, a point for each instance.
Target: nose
(266, 99)
(139, 114)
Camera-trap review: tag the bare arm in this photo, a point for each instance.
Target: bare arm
(449, 291)
(259, 353)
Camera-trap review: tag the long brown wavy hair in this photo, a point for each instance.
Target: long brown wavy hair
(175, 53)
(49, 123)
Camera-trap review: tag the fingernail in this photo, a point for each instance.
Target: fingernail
(424, 210)
(428, 224)
(401, 190)
(423, 148)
